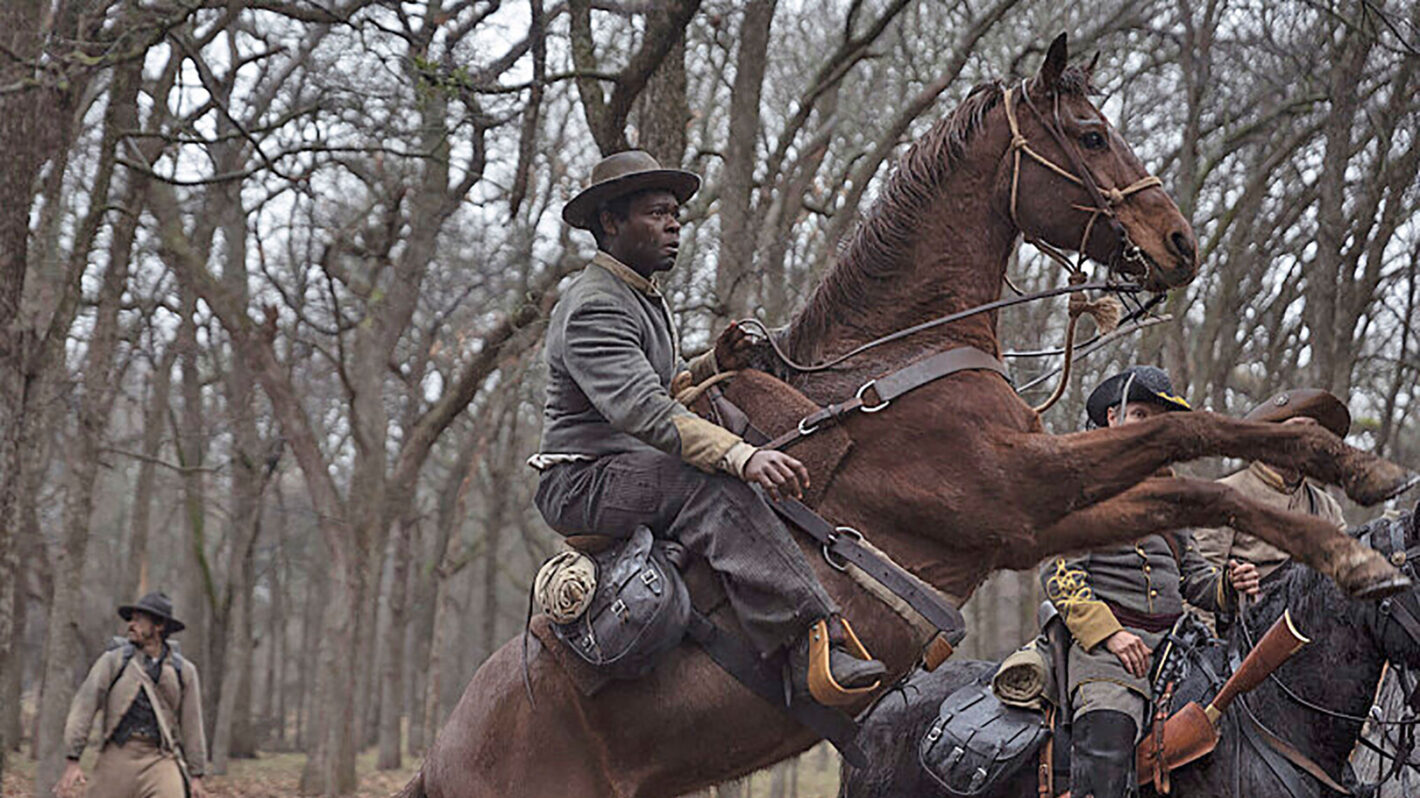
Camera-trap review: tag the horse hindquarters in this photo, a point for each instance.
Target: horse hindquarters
(496, 744)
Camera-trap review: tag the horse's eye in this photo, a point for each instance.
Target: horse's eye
(1093, 140)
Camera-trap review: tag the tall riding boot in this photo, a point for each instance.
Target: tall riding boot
(1102, 755)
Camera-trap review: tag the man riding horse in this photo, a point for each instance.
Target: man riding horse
(1119, 602)
(618, 451)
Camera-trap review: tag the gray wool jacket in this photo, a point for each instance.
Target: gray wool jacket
(612, 352)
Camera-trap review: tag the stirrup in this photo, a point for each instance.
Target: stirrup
(822, 686)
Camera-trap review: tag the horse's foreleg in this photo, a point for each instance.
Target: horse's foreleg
(1164, 504)
(1106, 462)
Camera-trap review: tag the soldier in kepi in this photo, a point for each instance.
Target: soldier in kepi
(152, 713)
(1118, 603)
(617, 450)
(1283, 488)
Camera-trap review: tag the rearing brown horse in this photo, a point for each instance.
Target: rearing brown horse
(956, 480)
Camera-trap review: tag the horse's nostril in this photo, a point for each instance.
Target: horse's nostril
(1182, 245)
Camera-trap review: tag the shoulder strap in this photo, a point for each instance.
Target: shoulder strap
(128, 651)
(177, 661)
(170, 740)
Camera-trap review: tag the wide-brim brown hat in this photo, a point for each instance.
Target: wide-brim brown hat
(1144, 384)
(1322, 405)
(626, 173)
(158, 605)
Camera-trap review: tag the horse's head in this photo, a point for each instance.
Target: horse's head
(1069, 180)
(1394, 622)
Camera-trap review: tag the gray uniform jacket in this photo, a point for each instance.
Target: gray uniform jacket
(1142, 578)
(611, 353)
(179, 704)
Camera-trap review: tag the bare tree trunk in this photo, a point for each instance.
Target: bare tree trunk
(90, 433)
(33, 123)
(135, 573)
(392, 681)
(735, 269)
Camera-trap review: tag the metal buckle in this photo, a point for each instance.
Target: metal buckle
(810, 430)
(867, 408)
(618, 607)
(649, 577)
(828, 555)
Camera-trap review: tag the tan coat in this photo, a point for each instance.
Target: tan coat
(95, 695)
(1260, 483)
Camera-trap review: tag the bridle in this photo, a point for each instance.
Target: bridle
(1404, 611)
(1105, 202)
(1105, 199)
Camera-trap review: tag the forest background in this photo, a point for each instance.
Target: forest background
(274, 273)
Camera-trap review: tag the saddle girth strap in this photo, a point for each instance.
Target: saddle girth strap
(736, 658)
(891, 386)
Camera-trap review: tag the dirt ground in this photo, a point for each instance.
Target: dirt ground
(277, 776)
(268, 776)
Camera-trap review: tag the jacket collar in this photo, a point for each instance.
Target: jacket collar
(1273, 480)
(627, 274)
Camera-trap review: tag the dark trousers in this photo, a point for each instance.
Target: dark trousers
(770, 586)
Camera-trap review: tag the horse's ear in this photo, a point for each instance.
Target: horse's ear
(1094, 62)
(1055, 60)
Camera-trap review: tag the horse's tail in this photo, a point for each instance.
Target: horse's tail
(415, 787)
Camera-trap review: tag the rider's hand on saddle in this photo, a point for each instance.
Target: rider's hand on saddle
(1130, 650)
(1244, 577)
(732, 348)
(778, 473)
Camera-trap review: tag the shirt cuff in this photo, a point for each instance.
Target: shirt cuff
(1091, 623)
(703, 443)
(736, 458)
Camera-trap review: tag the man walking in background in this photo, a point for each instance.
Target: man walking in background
(153, 740)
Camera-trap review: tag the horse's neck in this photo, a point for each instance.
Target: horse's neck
(951, 258)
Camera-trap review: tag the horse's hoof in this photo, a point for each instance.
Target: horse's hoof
(1383, 480)
(1371, 576)
(1385, 588)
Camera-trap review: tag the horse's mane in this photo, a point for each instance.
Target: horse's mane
(889, 226)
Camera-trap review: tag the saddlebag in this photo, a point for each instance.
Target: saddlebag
(639, 610)
(976, 742)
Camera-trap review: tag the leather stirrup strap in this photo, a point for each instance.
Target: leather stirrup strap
(764, 680)
(845, 544)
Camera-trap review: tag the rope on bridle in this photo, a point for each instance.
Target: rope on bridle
(1106, 311)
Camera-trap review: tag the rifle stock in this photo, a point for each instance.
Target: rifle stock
(1276, 647)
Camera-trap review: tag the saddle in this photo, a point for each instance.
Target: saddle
(977, 743)
(777, 405)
